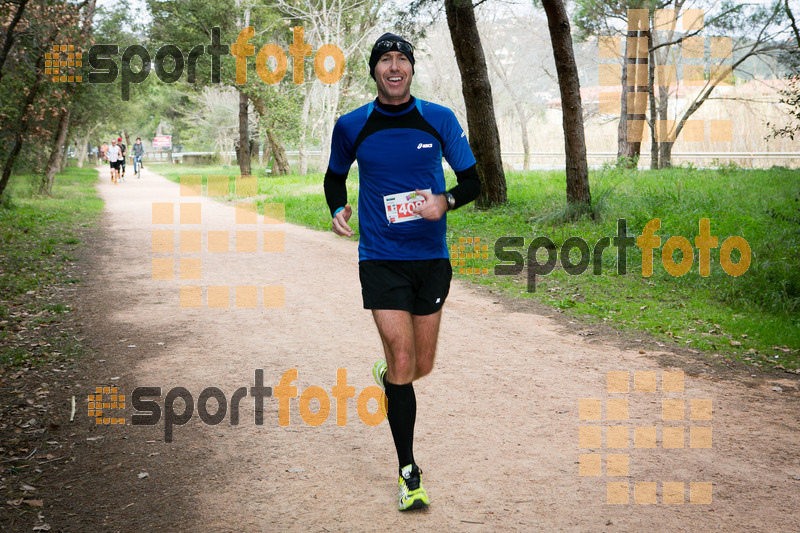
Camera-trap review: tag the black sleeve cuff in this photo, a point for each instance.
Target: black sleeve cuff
(468, 188)
(335, 190)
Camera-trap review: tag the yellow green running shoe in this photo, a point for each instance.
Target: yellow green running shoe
(378, 372)
(412, 493)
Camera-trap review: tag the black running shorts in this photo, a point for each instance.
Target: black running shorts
(114, 165)
(419, 287)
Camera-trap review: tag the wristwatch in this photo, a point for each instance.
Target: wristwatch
(451, 202)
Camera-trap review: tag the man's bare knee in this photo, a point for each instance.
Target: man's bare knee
(423, 368)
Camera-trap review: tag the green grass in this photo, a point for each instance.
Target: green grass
(38, 238)
(741, 317)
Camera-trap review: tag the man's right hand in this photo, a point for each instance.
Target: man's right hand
(339, 223)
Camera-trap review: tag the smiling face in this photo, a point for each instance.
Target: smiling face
(393, 76)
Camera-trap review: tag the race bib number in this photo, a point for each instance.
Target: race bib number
(400, 207)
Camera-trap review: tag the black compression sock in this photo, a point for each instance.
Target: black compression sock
(402, 415)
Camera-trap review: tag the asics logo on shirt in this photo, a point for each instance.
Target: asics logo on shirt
(420, 145)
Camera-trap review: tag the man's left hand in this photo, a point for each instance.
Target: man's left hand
(434, 207)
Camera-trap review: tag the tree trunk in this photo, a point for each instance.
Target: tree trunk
(8, 42)
(21, 127)
(664, 147)
(522, 116)
(281, 165)
(665, 154)
(54, 163)
(301, 147)
(622, 129)
(484, 138)
(62, 162)
(634, 82)
(243, 151)
(83, 144)
(578, 193)
(526, 145)
(651, 94)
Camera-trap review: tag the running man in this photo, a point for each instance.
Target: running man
(113, 155)
(404, 263)
(123, 153)
(138, 153)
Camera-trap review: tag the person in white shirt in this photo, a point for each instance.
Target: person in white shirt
(114, 155)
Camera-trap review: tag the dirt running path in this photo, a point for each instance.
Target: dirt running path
(497, 431)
